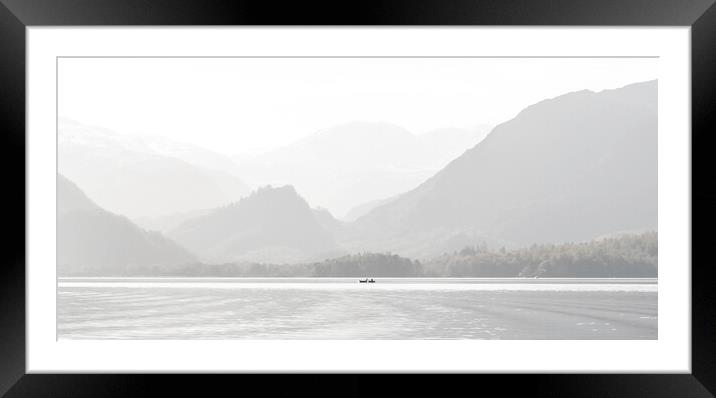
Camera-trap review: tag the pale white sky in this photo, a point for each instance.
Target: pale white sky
(239, 105)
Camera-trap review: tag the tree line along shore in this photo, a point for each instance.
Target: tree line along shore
(626, 256)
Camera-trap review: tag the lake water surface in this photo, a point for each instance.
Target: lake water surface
(342, 308)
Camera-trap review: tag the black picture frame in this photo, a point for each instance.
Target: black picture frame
(16, 15)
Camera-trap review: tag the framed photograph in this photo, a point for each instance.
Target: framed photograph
(443, 190)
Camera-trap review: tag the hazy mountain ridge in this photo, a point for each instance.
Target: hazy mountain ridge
(361, 160)
(91, 240)
(569, 168)
(365, 208)
(328, 222)
(270, 225)
(131, 176)
(169, 222)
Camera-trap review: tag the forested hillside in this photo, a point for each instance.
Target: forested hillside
(623, 256)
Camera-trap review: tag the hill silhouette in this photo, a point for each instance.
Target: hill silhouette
(570, 168)
(91, 240)
(270, 225)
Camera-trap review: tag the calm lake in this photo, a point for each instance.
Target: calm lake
(342, 308)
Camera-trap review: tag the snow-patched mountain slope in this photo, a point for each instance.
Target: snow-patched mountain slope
(145, 175)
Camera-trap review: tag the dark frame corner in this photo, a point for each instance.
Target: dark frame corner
(16, 15)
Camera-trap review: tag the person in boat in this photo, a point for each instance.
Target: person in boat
(371, 280)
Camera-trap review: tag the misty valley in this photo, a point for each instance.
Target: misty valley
(568, 188)
(161, 239)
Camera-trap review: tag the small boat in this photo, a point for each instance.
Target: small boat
(371, 280)
(363, 280)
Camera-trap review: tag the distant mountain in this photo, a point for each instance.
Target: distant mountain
(328, 222)
(169, 222)
(142, 176)
(272, 225)
(70, 198)
(91, 240)
(444, 145)
(365, 208)
(191, 154)
(570, 168)
(360, 161)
